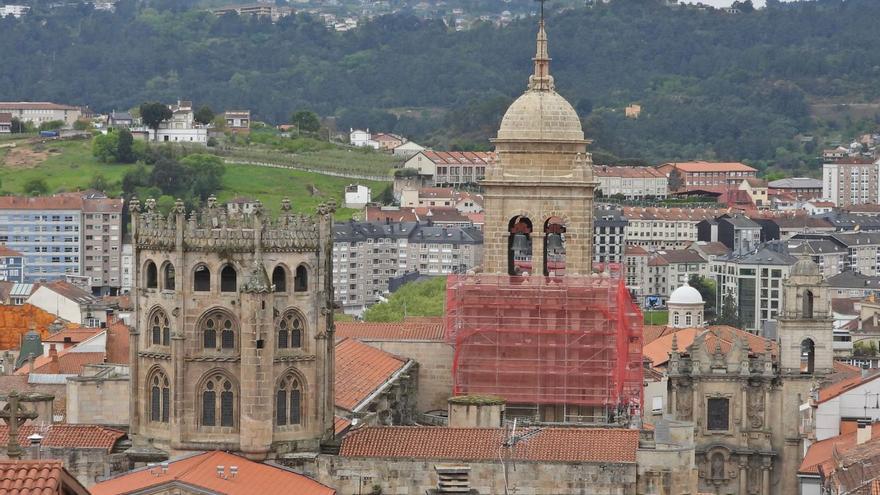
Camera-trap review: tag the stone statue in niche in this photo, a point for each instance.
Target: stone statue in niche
(756, 408)
(685, 405)
(717, 467)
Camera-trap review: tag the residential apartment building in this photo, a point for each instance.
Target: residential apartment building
(366, 255)
(850, 181)
(609, 235)
(74, 236)
(669, 270)
(664, 228)
(754, 280)
(861, 250)
(5, 123)
(450, 168)
(127, 268)
(635, 260)
(11, 265)
(630, 182)
(238, 121)
(684, 176)
(739, 233)
(102, 242)
(38, 112)
(801, 188)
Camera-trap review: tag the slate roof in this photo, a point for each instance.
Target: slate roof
(581, 445)
(200, 471)
(851, 280)
(35, 477)
(762, 256)
(413, 329)
(796, 183)
(362, 369)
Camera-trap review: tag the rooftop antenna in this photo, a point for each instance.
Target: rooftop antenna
(508, 447)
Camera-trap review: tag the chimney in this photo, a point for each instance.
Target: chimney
(865, 370)
(863, 434)
(53, 353)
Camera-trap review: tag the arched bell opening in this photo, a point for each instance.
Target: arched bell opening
(554, 247)
(519, 246)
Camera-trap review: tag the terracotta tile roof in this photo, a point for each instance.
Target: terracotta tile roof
(822, 452)
(67, 435)
(822, 204)
(64, 362)
(35, 105)
(701, 166)
(713, 248)
(845, 305)
(627, 172)
(30, 477)
(59, 202)
(75, 335)
(634, 251)
(481, 158)
(15, 321)
(433, 329)
(650, 333)
(835, 389)
(680, 256)
(103, 205)
(842, 371)
(340, 424)
(755, 182)
(118, 334)
(6, 252)
(360, 370)
(689, 214)
(440, 214)
(473, 444)
(658, 350)
(200, 471)
(380, 214)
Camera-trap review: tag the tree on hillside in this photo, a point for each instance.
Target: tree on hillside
(204, 115)
(125, 147)
(307, 121)
(36, 187)
(154, 114)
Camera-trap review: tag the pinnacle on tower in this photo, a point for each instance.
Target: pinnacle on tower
(541, 80)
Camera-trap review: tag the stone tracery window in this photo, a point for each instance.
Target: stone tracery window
(160, 328)
(218, 330)
(290, 330)
(216, 412)
(160, 397)
(288, 401)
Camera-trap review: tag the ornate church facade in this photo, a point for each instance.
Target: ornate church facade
(743, 392)
(232, 346)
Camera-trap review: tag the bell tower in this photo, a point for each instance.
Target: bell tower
(805, 326)
(539, 191)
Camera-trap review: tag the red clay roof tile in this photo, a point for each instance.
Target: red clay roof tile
(360, 370)
(67, 435)
(548, 445)
(200, 471)
(410, 329)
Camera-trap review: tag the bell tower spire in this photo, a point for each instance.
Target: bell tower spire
(541, 80)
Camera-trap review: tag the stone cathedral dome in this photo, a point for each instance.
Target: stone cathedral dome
(541, 114)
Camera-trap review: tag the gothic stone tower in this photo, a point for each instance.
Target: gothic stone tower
(232, 341)
(539, 192)
(806, 356)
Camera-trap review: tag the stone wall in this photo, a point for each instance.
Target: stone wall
(98, 401)
(417, 476)
(435, 369)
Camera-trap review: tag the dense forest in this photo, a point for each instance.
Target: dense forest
(711, 85)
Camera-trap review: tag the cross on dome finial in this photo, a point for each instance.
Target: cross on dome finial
(541, 80)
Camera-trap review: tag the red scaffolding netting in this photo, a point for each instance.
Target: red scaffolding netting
(573, 340)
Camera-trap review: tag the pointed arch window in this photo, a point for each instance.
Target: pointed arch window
(290, 329)
(160, 397)
(279, 279)
(160, 328)
(288, 401)
(218, 402)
